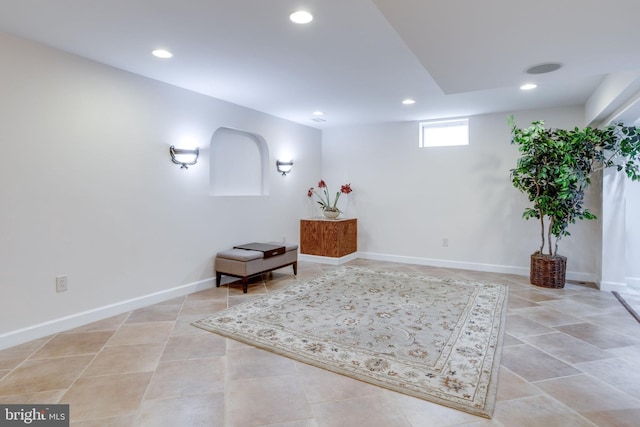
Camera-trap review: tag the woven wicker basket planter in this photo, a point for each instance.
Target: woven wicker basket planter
(548, 271)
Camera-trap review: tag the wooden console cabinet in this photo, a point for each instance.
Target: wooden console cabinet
(331, 238)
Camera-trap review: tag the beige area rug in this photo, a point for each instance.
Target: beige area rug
(432, 338)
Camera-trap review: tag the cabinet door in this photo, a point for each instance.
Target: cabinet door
(348, 238)
(310, 237)
(330, 238)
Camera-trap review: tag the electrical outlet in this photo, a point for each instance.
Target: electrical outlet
(284, 239)
(445, 242)
(61, 283)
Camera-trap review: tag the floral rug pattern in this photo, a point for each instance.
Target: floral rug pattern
(432, 338)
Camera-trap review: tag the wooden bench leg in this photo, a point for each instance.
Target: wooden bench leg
(295, 268)
(218, 279)
(245, 283)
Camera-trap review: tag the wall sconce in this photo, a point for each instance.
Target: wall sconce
(184, 157)
(284, 167)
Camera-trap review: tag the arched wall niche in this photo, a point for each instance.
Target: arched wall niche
(238, 163)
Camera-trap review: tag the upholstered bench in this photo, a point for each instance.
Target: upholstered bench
(244, 263)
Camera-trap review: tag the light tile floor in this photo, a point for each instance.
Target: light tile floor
(570, 358)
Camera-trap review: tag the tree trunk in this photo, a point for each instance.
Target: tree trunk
(542, 232)
(549, 236)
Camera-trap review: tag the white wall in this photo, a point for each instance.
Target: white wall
(88, 188)
(632, 252)
(616, 98)
(407, 199)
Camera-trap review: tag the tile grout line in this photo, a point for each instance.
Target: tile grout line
(138, 411)
(28, 357)
(632, 397)
(544, 393)
(89, 364)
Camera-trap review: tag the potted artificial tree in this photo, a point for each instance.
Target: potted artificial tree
(554, 170)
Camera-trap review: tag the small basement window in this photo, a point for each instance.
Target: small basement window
(444, 133)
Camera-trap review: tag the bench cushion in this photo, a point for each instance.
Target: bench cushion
(240, 255)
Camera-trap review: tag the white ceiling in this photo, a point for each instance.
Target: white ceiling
(358, 59)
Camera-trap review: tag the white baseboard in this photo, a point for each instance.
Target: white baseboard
(12, 338)
(462, 265)
(582, 277)
(328, 260)
(633, 282)
(612, 286)
(432, 262)
(630, 284)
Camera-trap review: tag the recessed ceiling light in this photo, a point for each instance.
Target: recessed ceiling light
(528, 86)
(318, 113)
(301, 17)
(409, 101)
(543, 68)
(162, 53)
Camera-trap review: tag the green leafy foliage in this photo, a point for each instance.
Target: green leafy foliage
(555, 168)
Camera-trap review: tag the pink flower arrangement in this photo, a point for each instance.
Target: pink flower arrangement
(323, 197)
